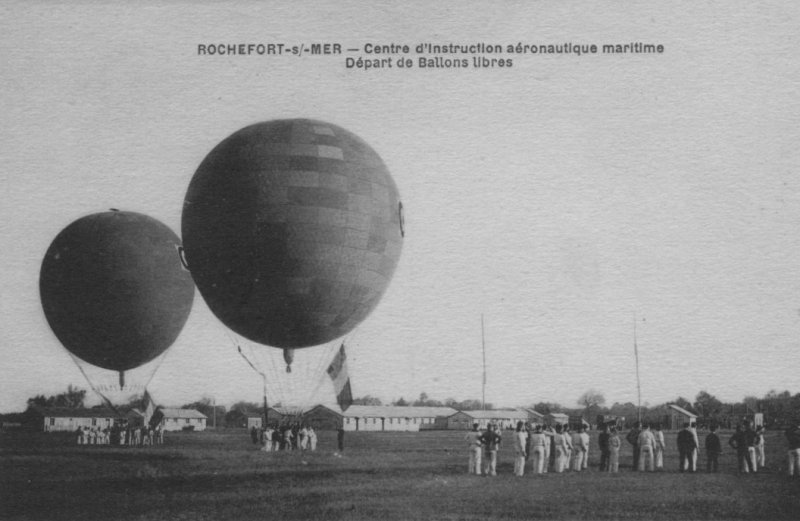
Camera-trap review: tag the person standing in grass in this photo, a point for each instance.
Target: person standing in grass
(686, 446)
(539, 443)
(561, 447)
(633, 439)
(713, 450)
(793, 440)
(614, 445)
(520, 452)
(751, 440)
(647, 444)
(602, 441)
(474, 446)
(491, 444)
(549, 447)
(340, 437)
(312, 438)
(760, 459)
(661, 445)
(580, 443)
(570, 446)
(739, 442)
(696, 451)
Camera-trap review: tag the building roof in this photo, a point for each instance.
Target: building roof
(66, 412)
(682, 411)
(557, 416)
(497, 414)
(534, 412)
(396, 411)
(181, 413)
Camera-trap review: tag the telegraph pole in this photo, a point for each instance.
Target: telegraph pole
(638, 382)
(483, 346)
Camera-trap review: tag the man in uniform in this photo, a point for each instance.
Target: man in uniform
(491, 444)
(686, 446)
(633, 439)
(520, 450)
(739, 442)
(647, 445)
(473, 439)
(605, 451)
(713, 450)
(793, 440)
(660, 447)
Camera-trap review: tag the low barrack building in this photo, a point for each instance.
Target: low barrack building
(62, 419)
(179, 419)
(395, 418)
(503, 418)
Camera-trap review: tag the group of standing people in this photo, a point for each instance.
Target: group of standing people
(560, 449)
(546, 447)
(285, 437)
(124, 434)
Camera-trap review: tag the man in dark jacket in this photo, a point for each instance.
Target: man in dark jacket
(633, 439)
(686, 446)
(605, 450)
(491, 444)
(739, 441)
(713, 450)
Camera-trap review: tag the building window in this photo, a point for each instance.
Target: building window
(52, 421)
(187, 421)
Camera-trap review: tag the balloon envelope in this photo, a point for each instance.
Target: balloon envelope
(292, 231)
(113, 289)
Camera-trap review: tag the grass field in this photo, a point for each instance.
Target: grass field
(380, 476)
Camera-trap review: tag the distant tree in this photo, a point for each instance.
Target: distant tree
(216, 413)
(546, 407)
(591, 398)
(424, 401)
(592, 401)
(707, 405)
(467, 405)
(400, 402)
(367, 400)
(73, 398)
(683, 403)
(40, 400)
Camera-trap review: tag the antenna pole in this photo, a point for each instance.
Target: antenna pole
(638, 382)
(483, 346)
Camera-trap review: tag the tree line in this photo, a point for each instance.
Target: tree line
(779, 408)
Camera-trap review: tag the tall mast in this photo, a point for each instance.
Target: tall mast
(638, 382)
(483, 346)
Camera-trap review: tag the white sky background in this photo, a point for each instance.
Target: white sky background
(558, 197)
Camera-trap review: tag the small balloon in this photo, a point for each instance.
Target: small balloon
(113, 289)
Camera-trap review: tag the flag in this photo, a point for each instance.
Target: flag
(148, 407)
(341, 380)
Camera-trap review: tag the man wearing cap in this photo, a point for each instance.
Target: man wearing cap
(473, 439)
(491, 444)
(793, 440)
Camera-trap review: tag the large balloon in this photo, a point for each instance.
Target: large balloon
(292, 230)
(113, 289)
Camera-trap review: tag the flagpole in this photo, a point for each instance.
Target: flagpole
(483, 347)
(638, 382)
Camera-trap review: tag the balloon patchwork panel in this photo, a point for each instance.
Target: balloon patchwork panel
(292, 231)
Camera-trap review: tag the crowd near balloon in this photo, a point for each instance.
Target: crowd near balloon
(122, 434)
(560, 448)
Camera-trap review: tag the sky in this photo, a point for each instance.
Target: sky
(567, 200)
